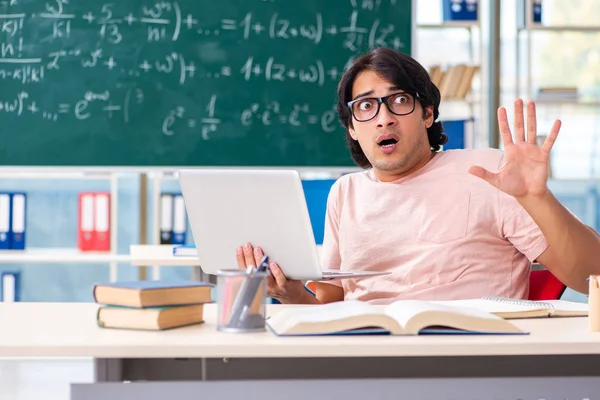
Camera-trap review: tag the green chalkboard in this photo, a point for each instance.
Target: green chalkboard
(183, 83)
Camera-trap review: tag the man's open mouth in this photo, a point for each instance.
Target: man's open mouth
(388, 142)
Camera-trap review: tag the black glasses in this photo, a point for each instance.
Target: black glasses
(402, 103)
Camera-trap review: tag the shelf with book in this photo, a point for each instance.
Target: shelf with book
(459, 81)
(529, 24)
(66, 254)
(555, 49)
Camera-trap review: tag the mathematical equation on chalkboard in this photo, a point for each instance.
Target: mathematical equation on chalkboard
(57, 23)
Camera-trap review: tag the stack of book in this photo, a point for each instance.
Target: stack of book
(455, 81)
(151, 305)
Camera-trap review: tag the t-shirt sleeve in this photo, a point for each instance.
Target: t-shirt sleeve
(520, 228)
(330, 251)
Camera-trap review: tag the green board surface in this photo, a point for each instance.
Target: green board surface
(186, 83)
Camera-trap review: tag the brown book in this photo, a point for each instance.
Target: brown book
(153, 293)
(451, 81)
(466, 82)
(436, 73)
(155, 318)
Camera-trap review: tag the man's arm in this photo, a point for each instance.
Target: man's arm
(327, 293)
(573, 251)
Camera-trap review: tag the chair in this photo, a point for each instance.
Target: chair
(544, 286)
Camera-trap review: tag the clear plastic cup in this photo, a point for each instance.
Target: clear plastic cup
(241, 300)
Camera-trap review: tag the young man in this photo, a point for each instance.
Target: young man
(446, 225)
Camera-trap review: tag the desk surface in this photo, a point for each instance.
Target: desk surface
(70, 330)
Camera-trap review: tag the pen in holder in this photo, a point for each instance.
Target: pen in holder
(241, 299)
(594, 303)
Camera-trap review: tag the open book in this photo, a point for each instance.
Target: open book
(516, 308)
(403, 317)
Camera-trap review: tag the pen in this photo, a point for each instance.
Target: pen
(247, 293)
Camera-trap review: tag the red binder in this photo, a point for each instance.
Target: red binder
(94, 221)
(102, 221)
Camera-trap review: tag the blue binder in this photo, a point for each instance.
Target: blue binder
(5, 215)
(10, 286)
(537, 11)
(179, 220)
(460, 10)
(18, 210)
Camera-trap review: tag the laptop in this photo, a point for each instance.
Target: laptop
(227, 208)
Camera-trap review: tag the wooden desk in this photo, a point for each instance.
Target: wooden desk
(555, 347)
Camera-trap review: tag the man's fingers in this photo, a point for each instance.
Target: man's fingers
(258, 255)
(239, 256)
(248, 255)
(552, 135)
(504, 127)
(519, 121)
(280, 278)
(489, 177)
(531, 123)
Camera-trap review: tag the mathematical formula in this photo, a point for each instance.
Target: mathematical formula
(31, 62)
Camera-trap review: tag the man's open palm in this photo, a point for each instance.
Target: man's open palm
(525, 168)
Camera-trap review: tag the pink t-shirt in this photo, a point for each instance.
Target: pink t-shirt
(441, 232)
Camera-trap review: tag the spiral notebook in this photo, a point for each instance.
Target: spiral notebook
(510, 308)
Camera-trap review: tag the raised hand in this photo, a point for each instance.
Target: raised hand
(524, 172)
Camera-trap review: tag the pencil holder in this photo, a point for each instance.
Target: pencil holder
(241, 298)
(594, 303)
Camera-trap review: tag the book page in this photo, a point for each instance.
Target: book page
(288, 317)
(404, 310)
(494, 306)
(564, 305)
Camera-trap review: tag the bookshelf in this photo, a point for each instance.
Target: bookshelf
(460, 82)
(525, 53)
(573, 95)
(68, 254)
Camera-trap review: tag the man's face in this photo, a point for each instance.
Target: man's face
(393, 144)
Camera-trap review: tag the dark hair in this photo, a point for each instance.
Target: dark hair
(401, 70)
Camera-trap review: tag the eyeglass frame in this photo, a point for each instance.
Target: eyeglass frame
(380, 100)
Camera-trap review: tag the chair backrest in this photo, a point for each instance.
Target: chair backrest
(544, 286)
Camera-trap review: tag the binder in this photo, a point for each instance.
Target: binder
(86, 236)
(11, 287)
(166, 218)
(18, 220)
(102, 221)
(179, 220)
(460, 10)
(5, 215)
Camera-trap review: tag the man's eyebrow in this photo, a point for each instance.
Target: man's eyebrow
(390, 89)
(363, 94)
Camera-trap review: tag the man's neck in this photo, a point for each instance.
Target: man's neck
(390, 176)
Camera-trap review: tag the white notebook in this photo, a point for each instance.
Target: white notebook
(516, 308)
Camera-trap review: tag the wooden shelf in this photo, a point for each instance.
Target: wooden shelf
(59, 255)
(566, 28)
(560, 102)
(456, 24)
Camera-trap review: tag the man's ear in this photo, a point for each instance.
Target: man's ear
(352, 133)
(428, 117)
